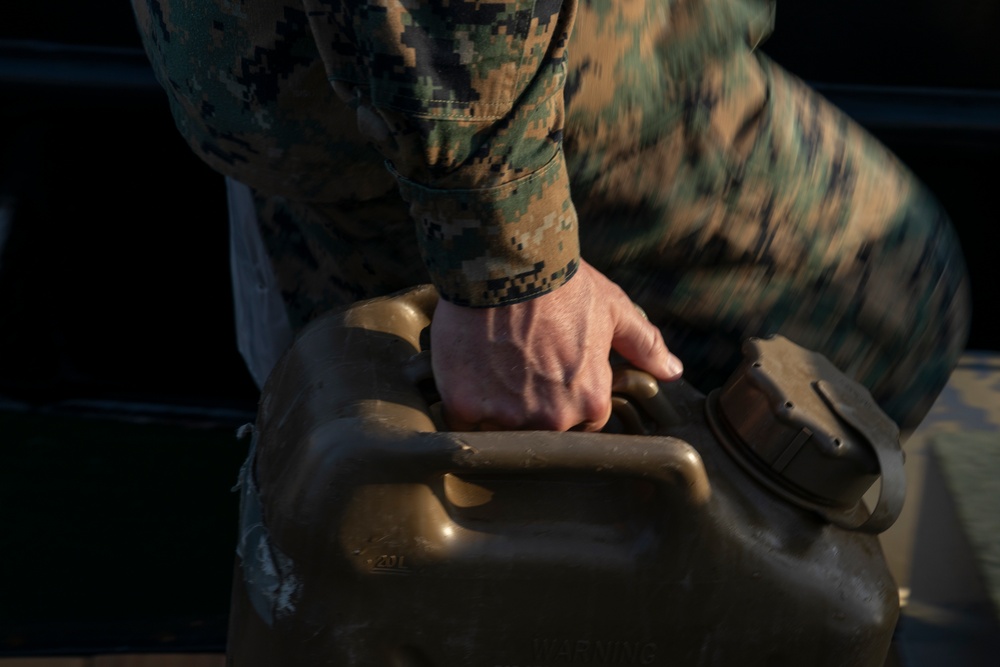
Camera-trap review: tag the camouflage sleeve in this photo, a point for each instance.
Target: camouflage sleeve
(464, 100)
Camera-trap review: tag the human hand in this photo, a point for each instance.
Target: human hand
(543, 363)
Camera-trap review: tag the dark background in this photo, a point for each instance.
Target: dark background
(120, 383)
(115, 277)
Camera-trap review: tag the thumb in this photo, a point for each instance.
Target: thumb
(641, 343)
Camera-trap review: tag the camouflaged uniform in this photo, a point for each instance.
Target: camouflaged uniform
(486, 146)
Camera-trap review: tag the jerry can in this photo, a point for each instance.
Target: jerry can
(726, 529)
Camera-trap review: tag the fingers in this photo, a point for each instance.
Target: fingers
(641, 343)
(587, 410)
(600, 413)
(469, 410)
(591, 421)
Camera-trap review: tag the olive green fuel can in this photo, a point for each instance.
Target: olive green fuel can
(721, 530)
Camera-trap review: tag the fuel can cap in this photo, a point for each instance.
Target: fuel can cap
(810, 433)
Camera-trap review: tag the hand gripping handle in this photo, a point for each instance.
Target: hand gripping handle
(374, 376)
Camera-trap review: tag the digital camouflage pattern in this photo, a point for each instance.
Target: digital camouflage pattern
(720, 192)
(462, 98)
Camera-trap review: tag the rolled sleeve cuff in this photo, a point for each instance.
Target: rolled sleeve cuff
(500, 245)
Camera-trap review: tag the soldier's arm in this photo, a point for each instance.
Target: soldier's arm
(464, 99)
